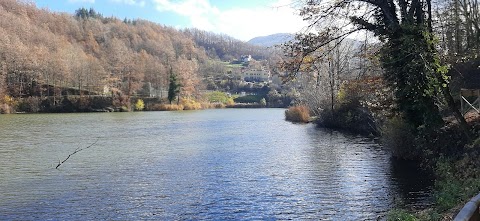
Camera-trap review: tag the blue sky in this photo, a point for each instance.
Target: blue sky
(241, 19)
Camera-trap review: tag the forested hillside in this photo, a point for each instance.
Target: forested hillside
(39, 47)
(272, 40)
(225, 47)
(44, 53)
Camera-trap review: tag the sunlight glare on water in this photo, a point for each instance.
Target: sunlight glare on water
(193, 165)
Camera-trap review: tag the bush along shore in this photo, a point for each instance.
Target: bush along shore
(73, 104)
(121, 103)
(62, 104)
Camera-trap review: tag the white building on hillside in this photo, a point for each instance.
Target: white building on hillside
(256, 75)
(246, 58)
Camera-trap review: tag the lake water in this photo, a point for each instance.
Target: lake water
(230, 164)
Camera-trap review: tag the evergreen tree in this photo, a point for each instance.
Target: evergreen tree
(173, 87)
(81, 13)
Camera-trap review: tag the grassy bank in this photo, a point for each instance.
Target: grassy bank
(455, 163)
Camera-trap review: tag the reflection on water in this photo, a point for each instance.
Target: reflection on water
(414, 185)
(214, 164)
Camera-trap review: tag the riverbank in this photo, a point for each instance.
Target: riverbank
(446, 153)
(85, 104)
(455, 162)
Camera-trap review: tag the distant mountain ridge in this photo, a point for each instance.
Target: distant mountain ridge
(271, 40)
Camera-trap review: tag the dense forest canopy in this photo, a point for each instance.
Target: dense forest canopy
(42, 51)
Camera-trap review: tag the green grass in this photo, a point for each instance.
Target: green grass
(228, 65)
(249, 99)
(400, 215)
(451, 189)
(231, 66)
(219, 97)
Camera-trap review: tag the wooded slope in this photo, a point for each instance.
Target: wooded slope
(40, 49)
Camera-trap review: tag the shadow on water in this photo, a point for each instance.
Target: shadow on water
(415, 185)
(355, 164)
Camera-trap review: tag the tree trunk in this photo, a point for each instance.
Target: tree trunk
(451, 104)
(457, 27)
(446, 89)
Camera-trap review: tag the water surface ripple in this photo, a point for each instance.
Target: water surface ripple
(233, 164)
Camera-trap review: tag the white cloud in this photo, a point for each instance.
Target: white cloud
(200, 12)
(241, 23)
(186, 7)
(86, 1)
(140, 3)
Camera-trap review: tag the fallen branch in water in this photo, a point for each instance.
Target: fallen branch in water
(74, 152)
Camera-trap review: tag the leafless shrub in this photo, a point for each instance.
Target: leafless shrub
(299, 114)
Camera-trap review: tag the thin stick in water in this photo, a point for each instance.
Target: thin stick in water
(74, 152)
